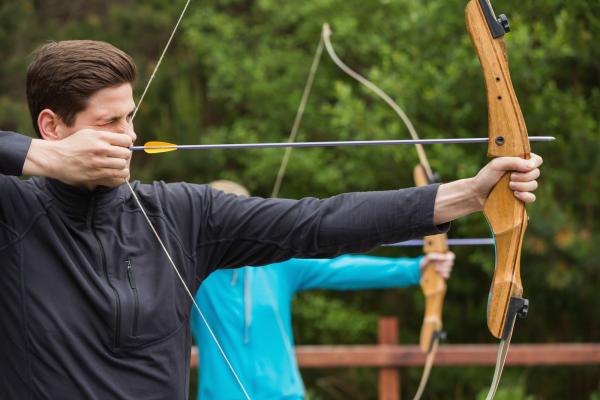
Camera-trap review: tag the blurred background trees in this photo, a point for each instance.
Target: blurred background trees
(235, 74)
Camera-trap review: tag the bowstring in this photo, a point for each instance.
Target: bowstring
(382, 95)
(147, 218)
(298, 119)
(427, 369)
(326, 41)
(423, 160)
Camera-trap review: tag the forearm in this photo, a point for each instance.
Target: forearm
(454, 200)
(13, 152)
(21, 155)
(353, 272)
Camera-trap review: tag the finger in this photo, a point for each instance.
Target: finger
(443, 271)
(525, 176)
(523, 186)
(517, 163)
(118, 152)
(117, 139)
(111, 173)
(433, 257)
(445, 265)
(110, 163)
(440, 256)
(525, 197)
(536, 159)
(120, 174)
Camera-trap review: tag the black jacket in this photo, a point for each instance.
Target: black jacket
(89, 305)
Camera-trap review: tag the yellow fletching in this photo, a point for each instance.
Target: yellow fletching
(159, 147)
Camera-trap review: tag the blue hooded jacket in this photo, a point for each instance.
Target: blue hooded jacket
(249, 310)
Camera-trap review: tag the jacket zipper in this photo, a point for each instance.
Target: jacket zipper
(136, 301)
(92, 226)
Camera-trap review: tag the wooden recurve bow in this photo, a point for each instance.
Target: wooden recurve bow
(505, 213)
(434, 290)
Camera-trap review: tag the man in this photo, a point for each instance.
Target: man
(90, 306)
(249, 309)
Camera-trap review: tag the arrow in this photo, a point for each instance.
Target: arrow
(451, 242)
(155, 147)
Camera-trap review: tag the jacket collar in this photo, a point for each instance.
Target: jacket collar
(78, 200)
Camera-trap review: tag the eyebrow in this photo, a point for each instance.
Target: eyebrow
(114, 117)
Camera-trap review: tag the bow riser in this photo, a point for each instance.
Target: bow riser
(508, 137)
(432, 284)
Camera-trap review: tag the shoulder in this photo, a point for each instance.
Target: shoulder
(22, 202)
(163, 196)
(22, 193)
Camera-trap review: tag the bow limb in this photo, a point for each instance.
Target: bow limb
(433, 285)
(508, 137)
(326, 35)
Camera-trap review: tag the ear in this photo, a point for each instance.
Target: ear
(50, 125)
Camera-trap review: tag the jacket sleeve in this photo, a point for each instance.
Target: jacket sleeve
(352, 272)
(13, 151)
(236, 231)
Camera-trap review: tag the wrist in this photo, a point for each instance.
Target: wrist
(456, 199)
(475, 199)
(39, 161)
(36, 161)
(422, 263)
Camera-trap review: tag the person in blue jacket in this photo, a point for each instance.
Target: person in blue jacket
(249, 310)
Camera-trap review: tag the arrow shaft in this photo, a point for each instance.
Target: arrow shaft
(343, 143)
(451, 242)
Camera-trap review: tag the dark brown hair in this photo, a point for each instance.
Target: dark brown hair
(64, 75)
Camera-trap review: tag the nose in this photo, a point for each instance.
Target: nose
(130, 130)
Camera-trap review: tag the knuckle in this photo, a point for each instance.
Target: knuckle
(96, 161)
(103, 148)
(102, 136)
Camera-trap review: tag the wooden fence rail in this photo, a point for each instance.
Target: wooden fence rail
(388, 357)
(451, 354)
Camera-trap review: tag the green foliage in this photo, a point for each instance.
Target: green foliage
(321, 318)
(513, 393)
(236, 72)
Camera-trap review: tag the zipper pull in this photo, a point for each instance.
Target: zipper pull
(130, 275)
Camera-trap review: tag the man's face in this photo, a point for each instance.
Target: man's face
(110, 109)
